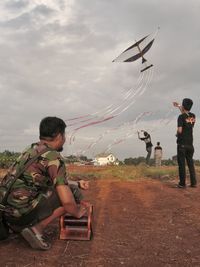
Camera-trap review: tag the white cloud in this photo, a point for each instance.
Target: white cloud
(56, 59)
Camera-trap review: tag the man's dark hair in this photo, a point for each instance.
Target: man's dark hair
(50, 127)
(187, 103)
(145, 133)
(158, 143)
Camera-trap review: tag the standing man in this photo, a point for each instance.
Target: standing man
(147, 140)
(185, 149)
(158, 155)
(42, 193)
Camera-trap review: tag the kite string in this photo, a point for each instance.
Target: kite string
(105, 109)
(131, 131)
(109, 113)
(119, 127)
(160, 122)
(109, 109)
(138, 91)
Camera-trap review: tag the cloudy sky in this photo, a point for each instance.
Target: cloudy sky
(56, 60)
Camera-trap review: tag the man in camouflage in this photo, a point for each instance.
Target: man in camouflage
(43, 193)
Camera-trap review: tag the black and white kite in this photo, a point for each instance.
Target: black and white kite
(128, 98)
(137, 50)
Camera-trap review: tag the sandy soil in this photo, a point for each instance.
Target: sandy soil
(136, 223)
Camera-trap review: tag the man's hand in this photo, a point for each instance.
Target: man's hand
(84, 184)
(68, 202)
(82, 211)
(176, 104)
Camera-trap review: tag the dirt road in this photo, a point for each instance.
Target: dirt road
(136, 223)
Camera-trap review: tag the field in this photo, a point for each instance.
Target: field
(140, 219)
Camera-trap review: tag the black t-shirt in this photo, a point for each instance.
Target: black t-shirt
(158, 148)
(186, 121)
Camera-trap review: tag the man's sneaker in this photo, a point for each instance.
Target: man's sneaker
(193, 185)
(181, 186)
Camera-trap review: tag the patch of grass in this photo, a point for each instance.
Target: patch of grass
(159, 172)
(120, 172)
(84, 176)
(127, 172)
(123, 172)
(197, 168)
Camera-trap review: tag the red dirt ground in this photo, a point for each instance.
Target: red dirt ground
(145, 222)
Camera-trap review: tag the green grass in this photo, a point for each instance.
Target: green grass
(161, 172)
(127, 172)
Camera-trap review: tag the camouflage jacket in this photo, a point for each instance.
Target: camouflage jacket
(43, 175)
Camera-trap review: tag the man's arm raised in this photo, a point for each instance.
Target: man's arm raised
(177, 105)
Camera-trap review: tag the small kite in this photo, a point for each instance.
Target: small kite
(136, 51)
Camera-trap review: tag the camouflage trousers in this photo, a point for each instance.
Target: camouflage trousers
(44, 209)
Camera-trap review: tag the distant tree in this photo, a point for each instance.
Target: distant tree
(70, 159)
(7, 158)
(165, 162)
(134, 161)
(169, 162)
(84, 158)
(197, 162)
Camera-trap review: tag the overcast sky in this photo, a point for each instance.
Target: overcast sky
(56, 60)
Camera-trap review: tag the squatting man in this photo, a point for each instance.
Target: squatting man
(43, 193)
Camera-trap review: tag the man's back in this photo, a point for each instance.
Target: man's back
(147, 140)
(186, 121)
(46, 171)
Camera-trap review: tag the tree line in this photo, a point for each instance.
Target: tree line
(7, 158)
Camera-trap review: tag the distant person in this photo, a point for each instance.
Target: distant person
(185, 149)
(43, 192)
(158, 155)
(147, 140)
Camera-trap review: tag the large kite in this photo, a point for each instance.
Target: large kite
(128, 98)
(136, 51)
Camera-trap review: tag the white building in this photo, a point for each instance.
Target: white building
(105, 159)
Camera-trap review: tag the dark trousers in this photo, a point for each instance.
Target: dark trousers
(185, 152)
(149, 150)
